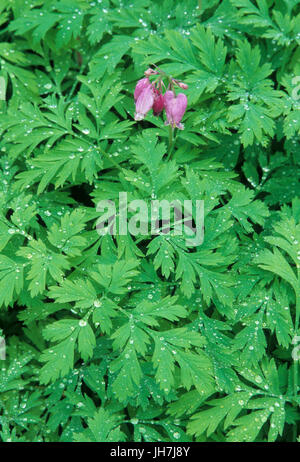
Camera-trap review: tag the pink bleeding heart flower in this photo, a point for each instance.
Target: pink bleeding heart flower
(144, 102)
(140, 86)
(159, 102)
(175, 108)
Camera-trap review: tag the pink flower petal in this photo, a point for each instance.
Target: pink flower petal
(144, 103)
(175, 108)
(140, 86)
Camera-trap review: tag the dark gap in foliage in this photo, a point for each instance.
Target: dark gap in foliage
(81, 193)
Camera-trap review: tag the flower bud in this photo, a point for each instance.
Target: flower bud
(159, 102)
(182, 85)
(150, 71)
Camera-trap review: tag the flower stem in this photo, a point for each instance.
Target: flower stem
(170, 141)
(200, 7)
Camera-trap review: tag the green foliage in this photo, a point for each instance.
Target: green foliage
(147, 337)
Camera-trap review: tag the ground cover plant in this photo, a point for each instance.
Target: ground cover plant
(122, 337)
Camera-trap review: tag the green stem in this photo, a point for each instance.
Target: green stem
(170, 142)
(75, 83)
(200, 7)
